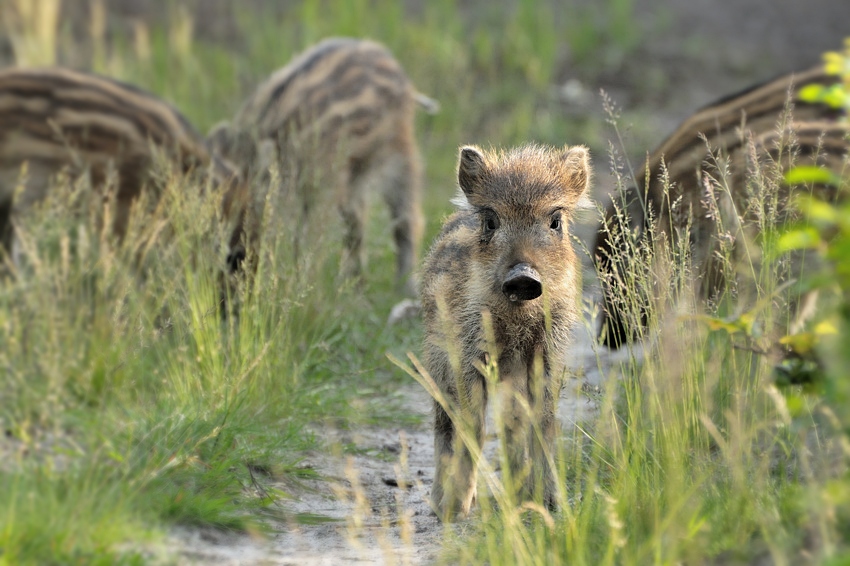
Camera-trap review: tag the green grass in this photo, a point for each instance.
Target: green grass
(696, 456)
(669, 477)
(129, 406)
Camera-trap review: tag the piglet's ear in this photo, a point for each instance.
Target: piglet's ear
(573, 169)
(471, 167)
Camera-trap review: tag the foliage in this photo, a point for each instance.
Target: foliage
(836, 95)
(826, 344)
(825, 232)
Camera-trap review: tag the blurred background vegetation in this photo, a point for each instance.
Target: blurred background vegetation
(124, 410)
(507, 71)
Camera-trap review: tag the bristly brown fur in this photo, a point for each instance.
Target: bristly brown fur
(340, 119)
(514, 218)
(57, 119)
(728, 139)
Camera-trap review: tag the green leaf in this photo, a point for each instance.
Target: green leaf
(826, 327)
(811, 174)
(731, 327)
(812, 93)
(834, 63)
(799, 239)
(743, 323)
(832, 95)
(795, 404)
(801, 343)
(817, 209)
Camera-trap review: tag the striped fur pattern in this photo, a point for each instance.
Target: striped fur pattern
(764, 128)
(503, 263)
(339, 121)
(56, 119)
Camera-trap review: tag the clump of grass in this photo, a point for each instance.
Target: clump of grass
(128, 373)
(70, 516)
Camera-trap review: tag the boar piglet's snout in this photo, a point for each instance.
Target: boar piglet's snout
(522, 283)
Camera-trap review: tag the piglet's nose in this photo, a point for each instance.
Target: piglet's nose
(522, 283)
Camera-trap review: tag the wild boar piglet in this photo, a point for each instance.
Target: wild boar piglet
(504, 267)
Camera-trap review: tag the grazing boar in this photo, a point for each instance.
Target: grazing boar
(60, 120)
(700, 183)
(339, 122)
(503, 266)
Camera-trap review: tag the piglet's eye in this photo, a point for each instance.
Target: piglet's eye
(556, 223)
(489, 221)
